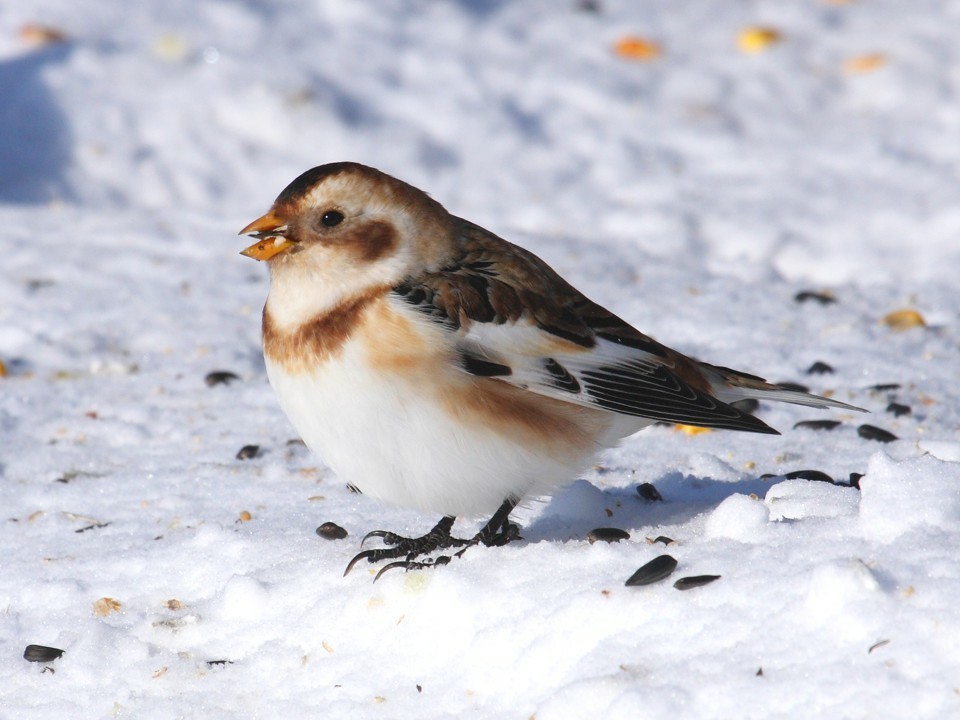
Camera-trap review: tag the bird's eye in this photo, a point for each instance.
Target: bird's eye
(331, 218)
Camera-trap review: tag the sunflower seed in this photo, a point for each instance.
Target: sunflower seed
(821, 298)
(654, 571)
(693, 581)
(610, 535)
(41, 653)
(663, 539)
(331, 531)
(220, 377)
(817, 424)
(809, 475)
(897, 409)
(819, 368)
(884, 387)
(248, 452)
(648, 492)
(872, 432)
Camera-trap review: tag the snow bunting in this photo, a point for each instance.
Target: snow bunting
(437, 366)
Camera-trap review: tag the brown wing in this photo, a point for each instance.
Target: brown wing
(518, 320)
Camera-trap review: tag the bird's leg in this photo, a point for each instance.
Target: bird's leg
(498, 530)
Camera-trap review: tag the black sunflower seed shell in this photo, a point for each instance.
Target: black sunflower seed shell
(220, 377)
(817, 475)
(331, 531)
(41, 653)
(656, 570)
(694, 581)
(872, 432)
(248, 452)
(817, 424)
(606, 534)
(648, 492)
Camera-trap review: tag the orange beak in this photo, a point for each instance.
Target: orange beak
(269, 231)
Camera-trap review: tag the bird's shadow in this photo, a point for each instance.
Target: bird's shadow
(35, 138)
(581, 507)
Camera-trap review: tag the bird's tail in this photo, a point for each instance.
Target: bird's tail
(730, 385)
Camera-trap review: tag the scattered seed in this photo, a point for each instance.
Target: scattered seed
(331, 531)
(897, 409)
(819, 368)
(884, 387)
(41, 653)
(872, 432)
(793, 387)
(220, 377)
(419, 688)
(822, 298)
(245, 516)
(654, 571)
(876, 645)
(864, 63)
(213, 663)
(95, 526)
(855, 480)
(759, 672)
(809, 475)
(104, 606)
(650, 493)
(694, 581)
(749, 405)
(354, 489)
(663, 539)
(633, 47)
(753, 40)
(904, 320)
(609, 535)
(817, 424)
(248, 452)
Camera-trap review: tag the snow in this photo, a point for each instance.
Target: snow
(694, 194)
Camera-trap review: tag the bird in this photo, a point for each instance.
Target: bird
(436, 366)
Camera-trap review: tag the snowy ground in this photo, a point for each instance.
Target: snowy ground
(695, 194)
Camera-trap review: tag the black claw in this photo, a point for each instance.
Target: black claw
(366, 554)
(405, 564)
(386, 535)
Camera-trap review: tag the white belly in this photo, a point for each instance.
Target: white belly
(396, 442)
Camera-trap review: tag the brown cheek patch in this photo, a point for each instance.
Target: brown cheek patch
(371, 240)
(318, 339)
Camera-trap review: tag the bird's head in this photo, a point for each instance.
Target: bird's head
(349, 223)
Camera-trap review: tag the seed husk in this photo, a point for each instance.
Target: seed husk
(694, 581)
(650, 493)
(872, 432)
(817, 424)
(41, 653)
(607, 534)
(220, 377)
(331, 531)
(248, 452)
(656, 570)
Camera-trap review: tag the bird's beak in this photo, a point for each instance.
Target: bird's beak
(269, 231)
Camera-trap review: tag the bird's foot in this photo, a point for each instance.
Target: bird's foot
(438, 538)
(497, 532)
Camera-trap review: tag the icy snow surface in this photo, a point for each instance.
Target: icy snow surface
(695, 194)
